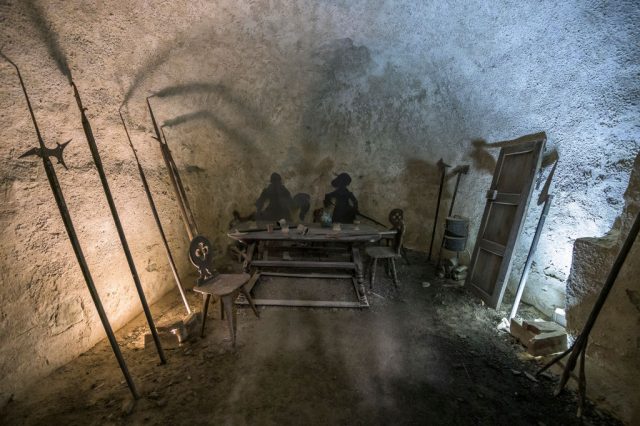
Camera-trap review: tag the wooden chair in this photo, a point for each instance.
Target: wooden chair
(225, 287)
(389, 253)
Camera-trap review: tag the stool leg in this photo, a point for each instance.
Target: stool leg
(250, 300)
(373, 272)
(205, 307)
(227, 303)
(394, 272)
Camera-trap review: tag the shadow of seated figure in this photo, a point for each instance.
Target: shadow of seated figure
(275, 201)
(344, 202)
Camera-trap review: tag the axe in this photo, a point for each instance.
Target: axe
(460, 170)
(443, 171)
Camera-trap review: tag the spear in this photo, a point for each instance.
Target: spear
(44, 153)
(86, 125)
(154, 210)
(181, 192)
(174, 177)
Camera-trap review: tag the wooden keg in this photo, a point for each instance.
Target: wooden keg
(456, 233)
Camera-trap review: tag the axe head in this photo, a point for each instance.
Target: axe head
(32, 151)
(57, 152)
(442, 165)
(544, 194)
(463, 170)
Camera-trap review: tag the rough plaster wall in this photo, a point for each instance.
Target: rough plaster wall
(613, 368)
(379, 89)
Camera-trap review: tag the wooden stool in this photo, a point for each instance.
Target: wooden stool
(390, 254)
(225, 287)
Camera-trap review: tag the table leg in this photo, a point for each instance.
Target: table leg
(249, 257)
(357, 259)
(374, 266)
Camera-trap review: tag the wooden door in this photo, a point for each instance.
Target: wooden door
(503, 218)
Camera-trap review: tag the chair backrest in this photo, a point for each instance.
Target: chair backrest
(396, 218)
(201, 255)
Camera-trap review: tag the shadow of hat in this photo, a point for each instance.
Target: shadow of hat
(342, 180)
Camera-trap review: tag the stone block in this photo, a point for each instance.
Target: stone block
(540, 337)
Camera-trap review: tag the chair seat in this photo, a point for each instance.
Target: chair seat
(381, 252)
(223, 284)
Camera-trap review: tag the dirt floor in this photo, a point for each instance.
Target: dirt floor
(428, 353)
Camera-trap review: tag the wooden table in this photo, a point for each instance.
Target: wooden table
(350, 237)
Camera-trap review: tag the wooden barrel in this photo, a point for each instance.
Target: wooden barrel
(454, 243)
(457, 226)
(455, 233)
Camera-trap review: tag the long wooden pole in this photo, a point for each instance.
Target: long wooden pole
(166, 156)
(93, 147)
(443, 166)
(579, 347)
(532, 251)
(156, 217)
(75, 243)
(181, 191)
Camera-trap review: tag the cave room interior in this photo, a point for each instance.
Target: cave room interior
(319, 212)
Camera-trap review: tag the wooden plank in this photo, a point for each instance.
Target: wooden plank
(303, 264)
(493, 247)
(325, 238)
(306, 303)
(505, 198)
(365, 233)
(311, 275)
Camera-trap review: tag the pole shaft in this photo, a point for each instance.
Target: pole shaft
(75, 244)
(435, 220)
(166, 156)
(453, 200)
(93, 147)
(579, 346)
(183, 194)
(581, 341)
(455, 192)
(532, 252)
(156, 217)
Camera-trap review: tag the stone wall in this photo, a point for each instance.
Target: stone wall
(613, 356)
(308, 89)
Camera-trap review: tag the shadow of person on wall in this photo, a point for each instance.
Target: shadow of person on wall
(344, 202)
(275, 201)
